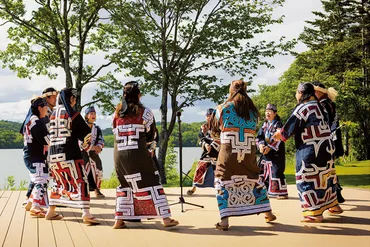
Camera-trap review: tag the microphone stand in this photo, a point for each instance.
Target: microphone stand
(181, 198)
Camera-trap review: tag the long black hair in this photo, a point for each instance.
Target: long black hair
(243, 103)
(130, 104)
(308, 90)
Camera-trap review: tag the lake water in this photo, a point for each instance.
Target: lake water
(12, 163)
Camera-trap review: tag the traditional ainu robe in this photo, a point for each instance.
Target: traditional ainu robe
(140, 194)
(315, 173)
(36, 138)
(273, 163)
(66, 163)
(204, 171)
(93, 164)
(238, 190)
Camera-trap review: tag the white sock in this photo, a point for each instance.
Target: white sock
(86, 212)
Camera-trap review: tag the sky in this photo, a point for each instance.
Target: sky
(15, 93)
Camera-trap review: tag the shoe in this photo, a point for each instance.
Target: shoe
(282, 197)
(55, 217)
(333, 211)
(171, 223)
(190, 192)
(98, 194)
(119, 225)
(270, 218)
(221, 228)
(90, 220)
(312, 219)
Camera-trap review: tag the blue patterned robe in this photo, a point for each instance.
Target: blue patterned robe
(236, 177)
(315, 172)
(273, 163)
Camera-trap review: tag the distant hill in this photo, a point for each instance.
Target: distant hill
(9, 134)
(11, 138)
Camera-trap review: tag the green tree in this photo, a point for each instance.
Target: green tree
(339, 39)
(55, 34)
(174, 44)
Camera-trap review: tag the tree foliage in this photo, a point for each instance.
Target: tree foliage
(9, 135)
(339, 41)
(174, 46)
(54, 34)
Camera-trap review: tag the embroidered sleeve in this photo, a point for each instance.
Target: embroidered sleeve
(100, 138)
(83, 131)
(290, 126)
(260, 139)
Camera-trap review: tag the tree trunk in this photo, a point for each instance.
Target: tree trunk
(163, 144)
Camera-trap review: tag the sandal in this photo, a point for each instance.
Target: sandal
(121, 225)
(312, 219)
(282, 197)
(98, 194)
(55, 217)
(90, 220)
(221, 228)
(270, 218)
(171, 223)
(27, 205)
(38, 213)
(190, 192)
(333, 211)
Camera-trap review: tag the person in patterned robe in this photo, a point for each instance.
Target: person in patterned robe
(273, 155)
(140, 194)
(315, 172)
(239, 190)
(327, 99)
(204, 172)
(49, 94)
(36, 140)
(67, 128)
(93, 164)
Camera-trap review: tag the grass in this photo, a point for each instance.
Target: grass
(352, 174)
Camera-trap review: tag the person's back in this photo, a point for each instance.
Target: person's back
(65, 131)
(314, 125)
(132, 132)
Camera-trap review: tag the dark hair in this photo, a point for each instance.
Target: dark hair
(243, 104)
(130, 104)
(318, 84)
(308, 90)
(68, 92)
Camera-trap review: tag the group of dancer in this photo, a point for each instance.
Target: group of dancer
(242, 184)
(59, 142)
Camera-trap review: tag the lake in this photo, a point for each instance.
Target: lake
(12, 163)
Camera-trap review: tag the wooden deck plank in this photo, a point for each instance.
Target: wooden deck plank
(30, 231)
(94, 233)
(46, 233)
(61, 232)
(196, 225)
(13, 238)
(7, 215)
(4, 200)
(75, 229)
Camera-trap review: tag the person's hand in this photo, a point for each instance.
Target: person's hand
(261, 147)
(97, 149)
(277, 135)
(208, 147)
(266, 149)
(152, 152)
